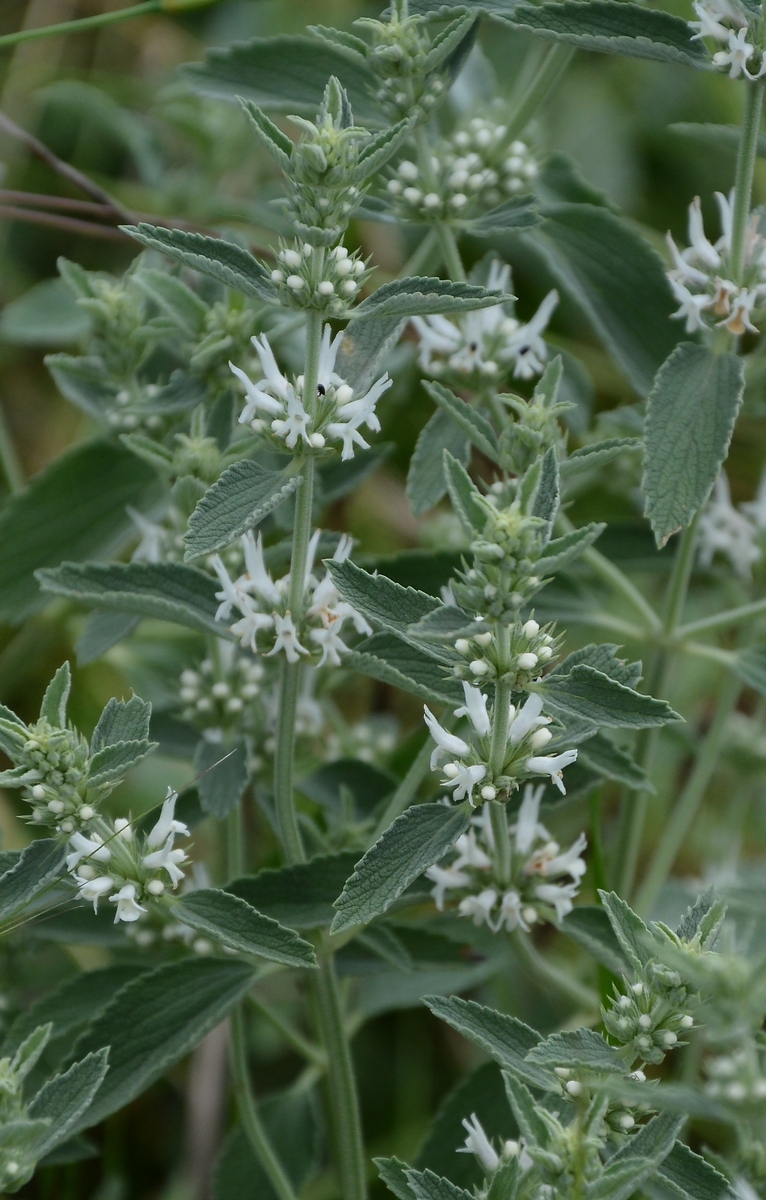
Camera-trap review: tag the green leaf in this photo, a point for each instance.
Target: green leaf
(508, 1040)
(101, 631)
(65, 1099)
(467, 500)
(546, 501)
(715, 136)
(687, 1176)
(475, 427)
(614, 28)
(563, 550)
(365, 348)
(53, 707)
(45, 315)
(616, 279)
(380, 149)
(232, 921)
(589, 925)
(222, 776)
(283, 74)
(389, 659)
(602, 755)
(654, 1140)
(290, 1120)
(70, 1005)
(597, 455)
(690, 418)
(420, 295)
(629, 929)
(380, 599)
(525, 1109)
(39, 865)
(579, 1048)
(270, 135)
(337, 478)
(166, 591)
(749, 664)
(520, 212)
(482, 1093)
(426, 1185)
(301, 895)
(122, 721)
(620, 1180)
(593, 696)
(426, 484)
(415, 841)
(239, 500)
(221, 260)
(75, 509)
(602, 657)
(174, 299)
(332, 784)
(393, 1172)
(156, 1020)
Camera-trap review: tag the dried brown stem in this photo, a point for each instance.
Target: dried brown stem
(12, 212)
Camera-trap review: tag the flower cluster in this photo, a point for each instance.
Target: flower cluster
(649, 1015)
(468, 765)
(277, 408)
(114, 860)
(469, 173)
(406, 78)
(739, 1077)
(311, 277)
(487, 344)
(730, 23)
(263, 604)
(542, 882)
(480, 1146)
(530, 649)
(217, 699)
(724, 529)
(701, 276)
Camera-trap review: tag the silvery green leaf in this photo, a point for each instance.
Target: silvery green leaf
(239, 500)
(70, 1005)
(426, 484)
(231, 920)
(300, 895)
(620, 1180)
(53, 707)
(602, 657)
(593, 696)
(40, 865)
(426, 1185)
(348, 44)
(228, 263)
(690, 418)
(386, 945)
(589, 925)
(222, 776)
(111, 763)
(563, 550)
(597, 455)
(421, 295)
(277, 143)
(715, 136)
(177, 301)
(602, 755)
(166, 591)
(525, 1109)
(629, 929)
(505, 1038)
(546, 500)
(749, 664)
(614, 28)
(101, 631)
(687, 1176)
(388, 658)
(481, 1092)
(379, 599)
(475, 426)
(74, 509)
(416, 840)
(449, 40)
(45, 315)
(467, 501)
(393, 1172)
(64, 1100)
(84, 382)
(154, 1021)
(581, 1049)
(366, 345)
(616, 279)
(654, 1140)
(122, 721)
(28, 1054)
(380, 149)
(520, 212)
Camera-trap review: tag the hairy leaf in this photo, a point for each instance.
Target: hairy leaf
(508, 1040)
(420, 295)
(221, 260)
(231, 920)
(239, 500)
(39, 865)
(426, 484)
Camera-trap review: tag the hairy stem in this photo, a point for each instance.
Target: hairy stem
(690, 799)
(248, 1111)
(743, 179)
(452, 259)
(9, 459)
(722, 620)
(501, 837)
(549, 72)
(547, 973)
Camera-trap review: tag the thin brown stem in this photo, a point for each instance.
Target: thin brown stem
(12, 212)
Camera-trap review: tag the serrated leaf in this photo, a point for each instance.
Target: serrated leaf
(74, 509)
(156, 1020)
(416, 840)
(53, 707)
(597, 455)
(687, 1176)
(690, 418)
(426, 1185)
(276, 142)
(629, 929)
(602, 755)
(380, 149)
(546, 501)
(426, 484)
(420, 295)
(475, 426)
(520, 212)
(222, 776)
(620, 1180)
(239, 500)
(65, 1099)
(389, 659)
(232, 921)
(114, 761)
(224, 261)
(301, 895)
(366, 345)
(506, 1039)
(654, 1140)
(603, 657)
(393, 1172)
(70, 1005)
(122, 721)
(166, 591)
(592, 696)
(39, 865)
(563, 550)
(616, 279)
(581, 1048)
(614, 28)
(466, 498)
(525, 1110)
(380, 599)
(173, 298)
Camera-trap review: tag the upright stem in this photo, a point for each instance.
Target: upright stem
(545, 971)
(79, 26)
(502, 706)
(550, 71)
(743, 179)
(344, 1102)
(633, 815)
(445, 233)
(287, 820)
(501, 837)
(689, 801)
(9, 459)
(616, 578)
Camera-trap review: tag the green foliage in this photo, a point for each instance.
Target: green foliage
(238, 501)
(232, 921)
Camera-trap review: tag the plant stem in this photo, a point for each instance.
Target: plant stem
(292, 1036)
(689, 801)
(634, 807)
(79, 26)
(582, 995)
(732, 616)
(9, 459)
(499, 819)
(344, 1103)
(550, 71)
(452, 259)
(616, 578)
(422, 259)
(248, 1111)
(743, 179)
(287, 820)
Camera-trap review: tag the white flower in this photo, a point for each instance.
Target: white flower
(526, 719)
(94, 889)
(723, 529)
(446, 878)
(736, 55)
(559, 895)
(549, 862)
(86, 848)
(526, 346)
(691, 306)
(475, 708)
(712, 14)
(446, 743)
(553, 765)
(705, 252)
(166, 824)
(470, 853)
(511, 912)
(478, 1143)
(527, 828)
(464, 779)
(151, 546)
(166, 859)
(287, 639)
(128, 908)
(479, 908)
(251, 623)
(755, 510)
(257, 577)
